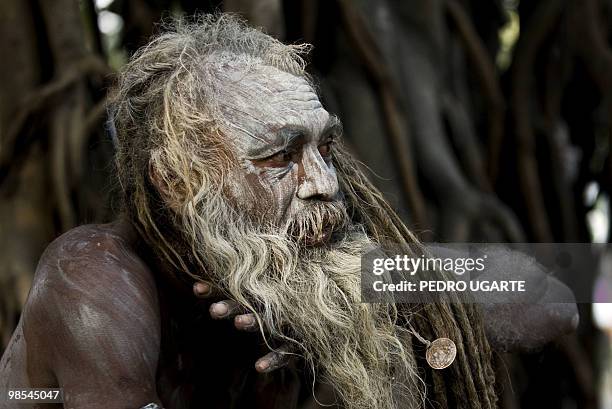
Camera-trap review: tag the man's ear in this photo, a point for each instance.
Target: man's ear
(163, 188)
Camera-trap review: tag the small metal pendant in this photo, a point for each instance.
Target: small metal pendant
(441, 353)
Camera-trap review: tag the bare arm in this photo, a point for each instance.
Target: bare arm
(92, 322)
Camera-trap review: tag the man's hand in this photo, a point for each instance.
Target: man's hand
(243, 321)
(520, 321)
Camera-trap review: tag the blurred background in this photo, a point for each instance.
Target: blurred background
(481, 121)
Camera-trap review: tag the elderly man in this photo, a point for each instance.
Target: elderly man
(233, 174)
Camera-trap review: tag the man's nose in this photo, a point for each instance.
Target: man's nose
(317, 179)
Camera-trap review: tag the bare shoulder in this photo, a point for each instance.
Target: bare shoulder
(95, 259)
(93, 267)
(93, 264)
(93, 302)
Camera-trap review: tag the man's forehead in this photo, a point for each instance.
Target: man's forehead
(261, 100)
(267, 86)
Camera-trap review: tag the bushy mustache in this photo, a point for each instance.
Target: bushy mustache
(316, 222)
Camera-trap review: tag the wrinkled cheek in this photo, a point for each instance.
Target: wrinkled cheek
(242, 192)
(264, 196)
(282, 194)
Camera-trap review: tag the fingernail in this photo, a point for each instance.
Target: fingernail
(201, 289)
(219, 308)
(262, 365)
(575, 322)
(245, 320)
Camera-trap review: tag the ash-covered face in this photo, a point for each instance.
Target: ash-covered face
(283, 139)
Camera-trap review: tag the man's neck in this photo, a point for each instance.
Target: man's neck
(167, 275)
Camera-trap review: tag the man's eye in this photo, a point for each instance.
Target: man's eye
(281, 158)
(325, 149)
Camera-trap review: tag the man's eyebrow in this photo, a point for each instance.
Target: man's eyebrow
(290, 134)
(333, 125)
(280, 138)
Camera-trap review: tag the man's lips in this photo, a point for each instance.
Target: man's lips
(319, 238)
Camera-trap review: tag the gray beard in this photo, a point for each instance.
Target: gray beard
(311, 298)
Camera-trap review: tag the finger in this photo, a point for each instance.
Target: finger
(246, 322)
(226, 309)
(202, 289)
(275, 359)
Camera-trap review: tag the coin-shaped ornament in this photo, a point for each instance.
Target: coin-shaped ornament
(441, 353)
